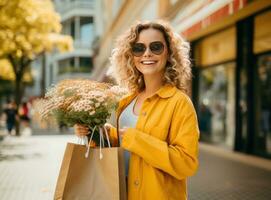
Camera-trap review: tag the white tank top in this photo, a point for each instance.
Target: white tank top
(128, 119)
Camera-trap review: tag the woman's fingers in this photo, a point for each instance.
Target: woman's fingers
(79, 126)
(122, 131)
(81, 130)
(107, 125)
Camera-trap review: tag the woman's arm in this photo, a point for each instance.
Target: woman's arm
(178, 156)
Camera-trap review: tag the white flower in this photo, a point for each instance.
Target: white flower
(118, 90)
(97, 105)
(92, 112)
(100, 99)
(80, 96)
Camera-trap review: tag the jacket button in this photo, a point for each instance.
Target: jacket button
(136, 183)
(144, 113)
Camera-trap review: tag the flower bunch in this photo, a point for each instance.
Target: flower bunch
(80, 101)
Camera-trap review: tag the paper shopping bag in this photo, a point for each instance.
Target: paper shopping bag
(91, 178)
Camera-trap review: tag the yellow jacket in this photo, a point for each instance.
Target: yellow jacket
(163, 146)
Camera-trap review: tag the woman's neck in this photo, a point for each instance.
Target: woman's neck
(152, 84)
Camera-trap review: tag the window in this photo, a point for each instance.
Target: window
(217, 104)
(73, 29)
(263, 142)
(86, 64)
(69, 65)
(86, 30)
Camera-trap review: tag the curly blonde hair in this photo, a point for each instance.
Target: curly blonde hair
(177, 70)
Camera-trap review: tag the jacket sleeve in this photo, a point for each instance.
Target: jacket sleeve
(178, 155)
(113, 136)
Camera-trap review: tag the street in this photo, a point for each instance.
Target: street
(29, 168)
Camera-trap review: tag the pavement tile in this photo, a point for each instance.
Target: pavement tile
(223, 178)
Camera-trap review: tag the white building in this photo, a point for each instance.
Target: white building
(78, 20)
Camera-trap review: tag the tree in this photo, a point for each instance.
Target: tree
(28, 28)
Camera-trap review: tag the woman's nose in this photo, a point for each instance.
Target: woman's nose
(147, 53)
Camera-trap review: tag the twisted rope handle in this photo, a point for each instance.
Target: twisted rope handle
(101, 141)
(88, 144)
(107, 137)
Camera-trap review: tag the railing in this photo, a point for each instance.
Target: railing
(66, 6)
(78, 44)
(71, 70)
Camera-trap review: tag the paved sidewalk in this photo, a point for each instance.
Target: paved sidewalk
(29, 168)
(227, 175)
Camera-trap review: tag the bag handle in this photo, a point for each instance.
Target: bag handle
(88, 143)
(107, 137)
(101, 141)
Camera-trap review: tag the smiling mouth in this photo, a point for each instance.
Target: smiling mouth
(150, 62)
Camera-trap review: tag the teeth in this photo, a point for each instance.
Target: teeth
(148, 62)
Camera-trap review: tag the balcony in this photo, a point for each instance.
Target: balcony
(72, 70)
(78, 44)
(75, 65)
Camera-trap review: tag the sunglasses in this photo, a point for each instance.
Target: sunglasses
(138, 49)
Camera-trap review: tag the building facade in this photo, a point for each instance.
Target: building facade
(231, 88)
(231, 54)
(78, 21)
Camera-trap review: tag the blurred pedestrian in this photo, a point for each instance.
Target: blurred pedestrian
(24, 113)
(11, 114)
(62, 127)
(157, 123)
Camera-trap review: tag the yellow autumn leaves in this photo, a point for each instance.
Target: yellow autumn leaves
(30, 27)
(7, 73)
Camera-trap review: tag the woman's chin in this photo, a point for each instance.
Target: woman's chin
(149, 72)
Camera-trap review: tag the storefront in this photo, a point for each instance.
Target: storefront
(262, 52)
(215, 59)
(232, 85)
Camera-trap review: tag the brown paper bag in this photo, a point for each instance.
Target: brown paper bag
(91, 178)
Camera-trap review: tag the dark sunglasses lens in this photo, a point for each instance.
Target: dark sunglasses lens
(157, 47)
(138, 49)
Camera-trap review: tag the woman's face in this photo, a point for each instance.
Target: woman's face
(153, 60)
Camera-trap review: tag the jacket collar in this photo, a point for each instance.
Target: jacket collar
(166, 91)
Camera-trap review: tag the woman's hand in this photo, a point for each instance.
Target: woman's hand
(107, 126)
(81, 130)
(122, 132)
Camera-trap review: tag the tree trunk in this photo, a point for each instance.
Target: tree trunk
(43, 76)
(19, 66)
(18, 99)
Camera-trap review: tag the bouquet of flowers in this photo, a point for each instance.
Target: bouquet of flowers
(81, 101)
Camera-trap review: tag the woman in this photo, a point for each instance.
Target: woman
(157, 122)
